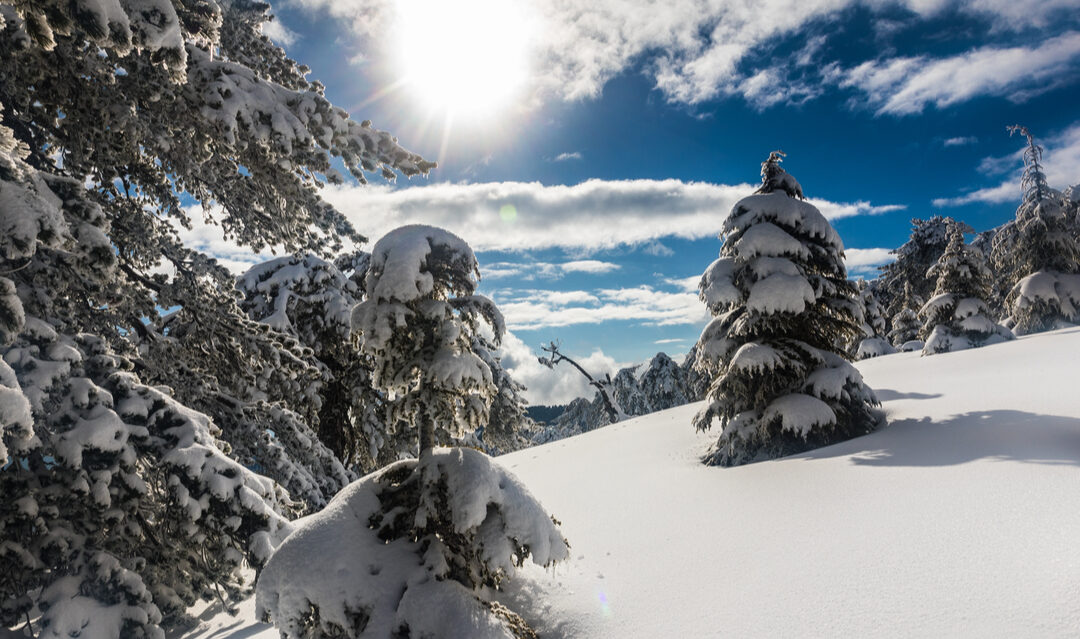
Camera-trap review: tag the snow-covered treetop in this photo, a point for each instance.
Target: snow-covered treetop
(775, 178)
(1033, 181)
(418, 261)
(274, 288)
(783, 210)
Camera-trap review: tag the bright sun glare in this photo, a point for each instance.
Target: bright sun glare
(465, 57)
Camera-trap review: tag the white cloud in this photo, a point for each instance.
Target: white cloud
(534, 309)
(590, 266)
(696, 50)
(595, 214)
(907, 85)
(279, 33)
(545, 270)
(960, 141)
(210, 239)
(552, 386)
(563, 157)
(671, 341)
(866, 261)
(1061, 159)
(657, 249)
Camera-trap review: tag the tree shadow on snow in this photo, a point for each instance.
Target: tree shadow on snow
(888, 395)
(1006, 435)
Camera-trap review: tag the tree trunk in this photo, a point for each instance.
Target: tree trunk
(427, 434)
(335, 431)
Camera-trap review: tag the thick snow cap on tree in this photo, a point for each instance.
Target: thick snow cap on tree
(390, 553)
(784, 312)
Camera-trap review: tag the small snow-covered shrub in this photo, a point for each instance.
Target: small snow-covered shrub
(873, 347)
(785, 313)
(416, 549)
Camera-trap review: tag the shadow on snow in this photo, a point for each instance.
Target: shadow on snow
(1005, 435)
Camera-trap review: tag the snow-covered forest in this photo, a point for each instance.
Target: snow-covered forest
(329, 444)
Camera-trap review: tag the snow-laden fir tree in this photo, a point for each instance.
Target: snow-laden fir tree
(873, 342)
(418, 323)
(122, 506)
(1037, 255)
(957, 316)
(311, 300)
(905, 324)
(925, 245)
(783, 310)
(417, 548)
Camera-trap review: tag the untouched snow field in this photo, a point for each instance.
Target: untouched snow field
(960, 518)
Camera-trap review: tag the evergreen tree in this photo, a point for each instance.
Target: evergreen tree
(419, 320)
(906, 325)
(783, 306)
(310, 300)
(922, 250)
(122, 504)
(420, 543)
(873, 342)
(1037, 255)
(956, 317)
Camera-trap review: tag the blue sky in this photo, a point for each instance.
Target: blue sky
(621, 132)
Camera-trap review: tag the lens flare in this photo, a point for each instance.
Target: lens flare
(605, 607)
(508, 213)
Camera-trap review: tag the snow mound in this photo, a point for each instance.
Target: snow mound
(411, 548)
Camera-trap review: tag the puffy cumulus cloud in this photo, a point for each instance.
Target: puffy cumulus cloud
(533, 309)
(595, 214)
(698, 50)
(1061, 157)
(907, 85)
(552, 386)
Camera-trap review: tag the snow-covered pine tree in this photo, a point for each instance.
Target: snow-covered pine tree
(119, 495)
(1037, 255)
(311, 300)
(922, 250)
(419, 319)
(872, 342)
(905, 324)
(957, 316)
(783, 307)
(415, 548)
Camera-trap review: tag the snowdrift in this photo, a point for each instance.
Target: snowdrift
(959, 518)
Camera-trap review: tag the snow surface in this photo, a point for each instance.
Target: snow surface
(957, 519)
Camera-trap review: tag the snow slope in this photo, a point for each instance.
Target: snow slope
(959, 518)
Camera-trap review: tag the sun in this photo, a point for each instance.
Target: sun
(465, 57)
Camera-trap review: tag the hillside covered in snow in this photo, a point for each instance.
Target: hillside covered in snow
(958, 518)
